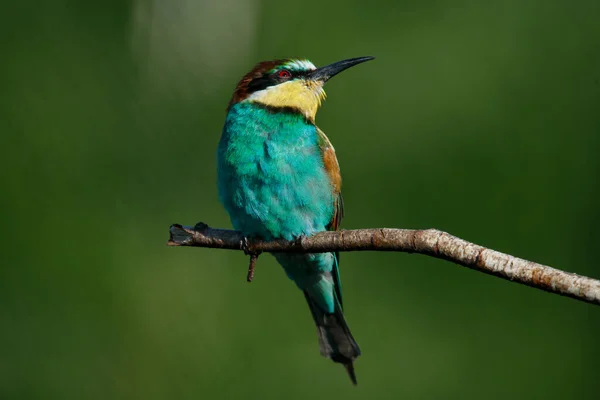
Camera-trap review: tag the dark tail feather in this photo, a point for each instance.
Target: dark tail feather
(335, 338)
(350, 369)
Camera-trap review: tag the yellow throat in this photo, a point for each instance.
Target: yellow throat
(304, 95)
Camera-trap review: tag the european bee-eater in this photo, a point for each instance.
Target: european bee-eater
(279, 178)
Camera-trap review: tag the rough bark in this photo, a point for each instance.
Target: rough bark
(430, 242)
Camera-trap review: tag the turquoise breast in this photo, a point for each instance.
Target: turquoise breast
(271, 176)
(273, 183)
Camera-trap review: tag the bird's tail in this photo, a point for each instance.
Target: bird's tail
(335, 338)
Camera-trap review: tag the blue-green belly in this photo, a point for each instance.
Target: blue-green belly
(273, 183)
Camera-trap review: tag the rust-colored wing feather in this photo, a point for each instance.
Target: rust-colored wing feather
(333, 170)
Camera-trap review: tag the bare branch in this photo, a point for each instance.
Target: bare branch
(431, 242)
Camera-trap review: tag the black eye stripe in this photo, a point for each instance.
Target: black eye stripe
(260, 83)
(272, 79)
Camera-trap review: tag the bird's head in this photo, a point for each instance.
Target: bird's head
(291, 83)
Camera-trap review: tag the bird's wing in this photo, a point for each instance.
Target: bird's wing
(333, 170)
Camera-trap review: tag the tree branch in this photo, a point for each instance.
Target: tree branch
(430, 242)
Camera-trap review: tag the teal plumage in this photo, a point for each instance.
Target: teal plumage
(278, 178)
(273, 184)
(274, 170)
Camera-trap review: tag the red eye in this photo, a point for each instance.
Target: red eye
(285, 74)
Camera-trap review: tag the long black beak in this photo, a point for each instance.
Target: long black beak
(327, 72)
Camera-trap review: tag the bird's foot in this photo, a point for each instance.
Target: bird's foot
(245, 245)
(298, 240)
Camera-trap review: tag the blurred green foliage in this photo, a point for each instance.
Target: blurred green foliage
(478, 118)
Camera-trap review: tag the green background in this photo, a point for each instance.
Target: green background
(478, 118)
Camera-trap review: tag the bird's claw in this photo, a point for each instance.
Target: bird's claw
(298, 240)
(245, 245)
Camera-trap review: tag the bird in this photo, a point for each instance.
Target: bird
(278, 178)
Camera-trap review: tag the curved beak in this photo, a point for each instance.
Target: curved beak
(327, 72)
